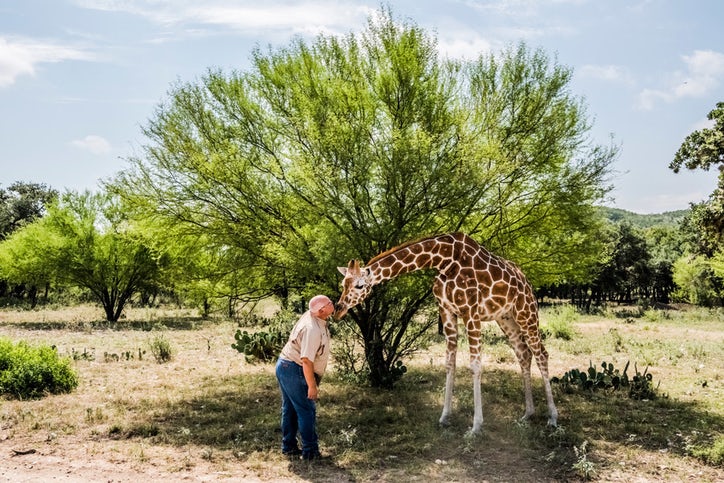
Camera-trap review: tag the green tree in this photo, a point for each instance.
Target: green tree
(703, 149)
(24, 259)
(696, 282)
(349, 146)
(21, 203)
(85, 240)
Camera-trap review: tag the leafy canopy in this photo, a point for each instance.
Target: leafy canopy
(347, 146)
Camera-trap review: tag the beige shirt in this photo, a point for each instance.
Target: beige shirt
(310, 339)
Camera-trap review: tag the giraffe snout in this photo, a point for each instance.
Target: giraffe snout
(340, 310)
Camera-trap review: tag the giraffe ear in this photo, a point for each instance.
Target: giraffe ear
(342, 270)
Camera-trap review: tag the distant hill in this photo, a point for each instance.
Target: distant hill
(670, 218)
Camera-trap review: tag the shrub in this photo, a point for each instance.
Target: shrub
(559, 322)
(161, 349)
(31, 372)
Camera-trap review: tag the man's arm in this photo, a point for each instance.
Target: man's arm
(308, 368)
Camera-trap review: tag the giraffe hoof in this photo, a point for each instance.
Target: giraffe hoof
(552, 423)
(444, 422)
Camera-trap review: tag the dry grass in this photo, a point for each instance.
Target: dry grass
(207, 415)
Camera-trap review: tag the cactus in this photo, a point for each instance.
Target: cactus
(608, 379)
(260, 346)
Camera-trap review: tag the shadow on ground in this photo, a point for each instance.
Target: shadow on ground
(379, 434)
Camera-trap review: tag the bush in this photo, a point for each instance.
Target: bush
(161, 349)
(559, 322)
(31, 372)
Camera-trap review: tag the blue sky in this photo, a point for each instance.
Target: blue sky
(79, 78)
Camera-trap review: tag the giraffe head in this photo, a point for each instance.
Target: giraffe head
(356, 286)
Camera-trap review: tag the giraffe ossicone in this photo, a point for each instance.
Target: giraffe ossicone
(473, 285)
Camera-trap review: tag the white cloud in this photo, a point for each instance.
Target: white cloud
(459, 42)
(93, 144)
(20, 56)
(311, 16)
(609, 73)
(704, 73)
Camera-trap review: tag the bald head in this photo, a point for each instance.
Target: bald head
(321, 306)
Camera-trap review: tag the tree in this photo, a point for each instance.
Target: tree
(21, 203)
(696, 281)
(349, 146)
(86, 241)
(703, 149)
(25, 261)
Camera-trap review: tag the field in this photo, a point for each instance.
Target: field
(207, 415)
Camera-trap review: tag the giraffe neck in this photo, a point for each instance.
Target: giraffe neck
(435, 252)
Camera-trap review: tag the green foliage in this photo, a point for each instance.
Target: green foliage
(640, 386)
(86, 240)
(259, 346)
(21, 203)
(348, 146)
(666, 219)
(160, 348)
(696, 281)
(558, 322)
(583, 466)
(703, 148)
(31, 372)
(712, 454)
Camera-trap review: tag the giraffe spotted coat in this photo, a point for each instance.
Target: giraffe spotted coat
(474, 286)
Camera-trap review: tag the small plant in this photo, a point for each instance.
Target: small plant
(259, 346)
(31, 372)
(161, 349)
(584, 467)
(84, 356)
(642, 386)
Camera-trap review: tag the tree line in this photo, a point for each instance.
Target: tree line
(260, 183)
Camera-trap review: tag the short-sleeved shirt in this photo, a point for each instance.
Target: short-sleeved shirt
(310, 339)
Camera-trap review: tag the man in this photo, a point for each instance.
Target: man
(300, 367)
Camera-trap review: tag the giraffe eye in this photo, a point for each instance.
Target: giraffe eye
(360, 284)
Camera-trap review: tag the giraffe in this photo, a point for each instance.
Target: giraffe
(474, 285)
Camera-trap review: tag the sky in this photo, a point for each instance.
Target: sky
(79, 79)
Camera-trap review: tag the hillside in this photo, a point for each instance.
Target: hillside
(669, 218)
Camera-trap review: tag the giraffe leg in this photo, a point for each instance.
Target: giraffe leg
(533, 339)
(451, 335)
(542, 361)
(475, 365)
(524, 355)
(524, 359)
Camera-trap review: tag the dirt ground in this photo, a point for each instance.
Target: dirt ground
(80, 452)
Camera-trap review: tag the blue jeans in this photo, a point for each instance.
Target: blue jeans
(299, 414)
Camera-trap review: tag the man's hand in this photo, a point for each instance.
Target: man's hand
(308, 368)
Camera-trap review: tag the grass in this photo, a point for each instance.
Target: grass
(206, 412)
